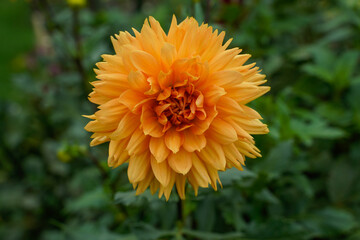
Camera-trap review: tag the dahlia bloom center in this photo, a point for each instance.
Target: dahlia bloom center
(181, 106)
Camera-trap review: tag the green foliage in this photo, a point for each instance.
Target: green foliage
(54, 187)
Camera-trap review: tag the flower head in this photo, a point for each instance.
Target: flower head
(174, 106)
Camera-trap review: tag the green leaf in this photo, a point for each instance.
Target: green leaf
(205, 215)
(213, 236)
(344, 69)
(340, 181)
(278, 159)
(199, 13)
(129, 198)
(91, 200)
(318, 71)
(277, 229)
(330, 221)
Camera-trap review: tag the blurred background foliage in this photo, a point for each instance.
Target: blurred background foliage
(53, 186)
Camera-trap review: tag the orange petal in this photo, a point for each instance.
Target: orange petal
(138, 142)
(96, 126)
(248, 149)
(212, 94)
(154, 86)
(200, 126)
(99, 138)
(199, 169)
(180, 185)
(145, 62)
(168, 54)
(161, 171)
(233, 154)
(174, 140)
(126, 127)
(213, 154)
(144, 184)
(138, 81)
(222, 132)
(131, 98)
(214, 177)
(228, 106)
(150, 124)
(139, 165)
(156, 27)
(117, 153)
(226, 78)
(159, 149)
(165, 79)
(167, 190)
(180, 162)
(193, 142)
(220, 61)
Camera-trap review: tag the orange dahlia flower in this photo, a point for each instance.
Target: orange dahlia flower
(174, 106)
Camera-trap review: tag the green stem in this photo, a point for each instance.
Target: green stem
(181, 219)
(78, 58)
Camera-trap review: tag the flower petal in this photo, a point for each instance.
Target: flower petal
(117, 155)
(200, 126)
(222, 131)
(145, 62)
(137, 81)
(180, 185)
(168, 54)
(126, 126)
(150, 124)
(131, 98)
(212, 94)
(158, 149)
(138, 142)
(193, 142)
(180, 162)
(161, 171)
(213, 155)
(174, 140)
(139, 165)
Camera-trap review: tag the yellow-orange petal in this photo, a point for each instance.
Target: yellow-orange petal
(214, 176)
(180, 185)
(199, 170)
(233, 154)
(150, 124)
(212, 94)
(193, 142)
(174, 140)
(138, 142)
(131, 98)
(158, 149)
(117, 155)
(222, 131)
(126, 126)
(168, 54)
(226, 78)
(200, 126)
(137, 81)
(213, 155)
(139, 165)
(145, 62)
(144, 184)
(228, 106)
(180, 162)
(161, 171)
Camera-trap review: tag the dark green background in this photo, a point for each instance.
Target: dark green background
(53, 186)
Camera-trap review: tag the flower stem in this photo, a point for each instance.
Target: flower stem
(79, 53)
(181, 219)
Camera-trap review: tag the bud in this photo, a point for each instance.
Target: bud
(76, 3)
